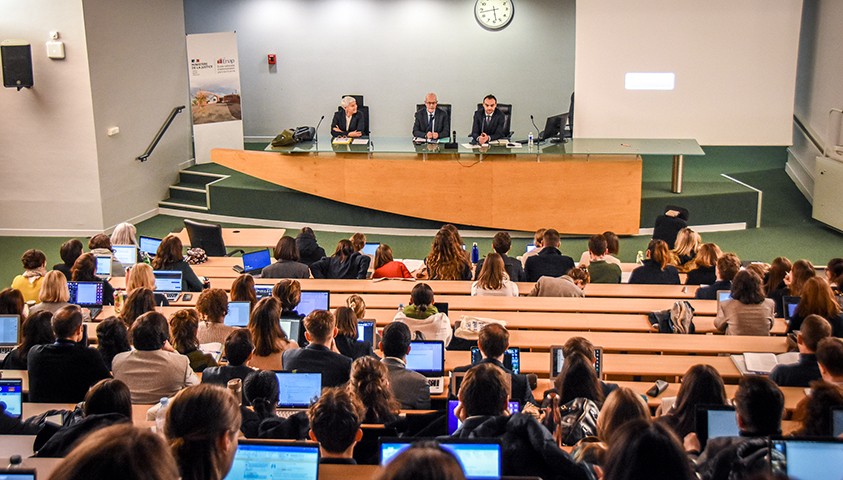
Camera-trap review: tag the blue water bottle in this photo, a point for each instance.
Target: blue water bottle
(475, 253)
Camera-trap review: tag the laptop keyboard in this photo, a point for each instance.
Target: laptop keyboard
(287, 412)
(172, 296)
(6, 349)
(94, 311)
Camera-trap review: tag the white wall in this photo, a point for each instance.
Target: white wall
(138, 65)
(392, 52)
(48, 158)
(735, 66)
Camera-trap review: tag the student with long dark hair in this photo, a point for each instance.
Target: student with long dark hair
(656, 267)
(346, 338)
(345, 263)
(385, 265)
(817, 299)
(369, 382)
(270, 339)
(170, 257)
(36, 330)
(287, 263)
(493, 279)
(748, 312)
(701, 385)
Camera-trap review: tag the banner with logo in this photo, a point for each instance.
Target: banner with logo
(214, 93)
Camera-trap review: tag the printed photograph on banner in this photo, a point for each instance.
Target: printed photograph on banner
(212, 100)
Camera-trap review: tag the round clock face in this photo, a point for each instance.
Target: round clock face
(493, 14)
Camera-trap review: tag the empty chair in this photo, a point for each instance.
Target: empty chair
(208, 237)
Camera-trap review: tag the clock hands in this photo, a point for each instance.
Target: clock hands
(494, 11)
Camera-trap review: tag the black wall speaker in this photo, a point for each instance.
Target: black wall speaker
(17, 64)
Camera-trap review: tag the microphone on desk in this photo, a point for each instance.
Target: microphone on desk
(534, 125)
(316, 131)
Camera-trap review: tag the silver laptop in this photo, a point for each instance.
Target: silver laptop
(169, 283)
(103, 267)
(428, 358)
(297, 391)
(127, 255)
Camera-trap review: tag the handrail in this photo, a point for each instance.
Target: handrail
(145, 155)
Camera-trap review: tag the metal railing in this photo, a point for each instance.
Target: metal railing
(145, 155)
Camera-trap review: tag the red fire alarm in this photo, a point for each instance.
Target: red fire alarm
(270, 59)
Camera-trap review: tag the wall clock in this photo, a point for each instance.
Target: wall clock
(493, 14)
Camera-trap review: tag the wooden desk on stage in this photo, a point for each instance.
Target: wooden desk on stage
(243, 237)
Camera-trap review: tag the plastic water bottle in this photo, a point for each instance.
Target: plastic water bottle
(475, 253)
(639, 258)
(530, 139)
(161, 415)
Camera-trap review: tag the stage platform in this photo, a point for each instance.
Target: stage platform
(717, 202)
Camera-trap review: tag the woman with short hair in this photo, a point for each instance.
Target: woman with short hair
(213, 307)
(29, 282)
(287, 263)
(112, 338)
(243, 290)
(184, 325)
(54, 295)
(748, 312)
(69, 252)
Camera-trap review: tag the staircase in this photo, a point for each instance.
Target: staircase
(191, 192)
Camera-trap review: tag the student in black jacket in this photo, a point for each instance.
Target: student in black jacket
(728, 265)
(656, 268)
(801, 374)
(346, 339)
(309, 250)
(238, 351)
(549, 261)
(320, 329)
(501, 243)
(344, 263)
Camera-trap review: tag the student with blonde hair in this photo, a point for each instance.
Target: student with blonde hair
(703, 269)
(685, 249)
(142, 276)
(54, 295)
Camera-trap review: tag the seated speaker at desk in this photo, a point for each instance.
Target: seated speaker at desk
(432, 120)
(491, 121)
(350, 120)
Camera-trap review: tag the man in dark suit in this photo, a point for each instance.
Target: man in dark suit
(238, 351)
(550, 260)
(814, 328)
(489, 122)
(62, 372)
(431, 122)
(320, 329)
(410, 388)
(727, 266)
(501, 243)
(348, 122)
(493, 341)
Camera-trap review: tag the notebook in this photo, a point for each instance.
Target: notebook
(169, 283)
(87, 295)
(292, 327)
(297, 390)
(262, 459)
(479, 458)
(148, 245)
(789, 303)
(313, 300)
(263, 291)
(836, 421)
(454, 423)
(9, 333)
(530, 247)
(238, 314)
(370, 249)
(254, 262)
(428, 358)
(103, 266)
(127, 255)
(17, 474)
(511, 358)
(11, 395)
(557, 361)
(762, 363)
(714, 421)
(366, 331)
(807, 459)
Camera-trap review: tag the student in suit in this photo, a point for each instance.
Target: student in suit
(493, 341)
(238, 350)
(489, 122)
(431, 122)
(335, 421)
(345, 263)
(728, 265)
(501, 243)
(348, 122)
(549, 261)
(410, 388)
(801, 374)
(62, 372)
(320, 330)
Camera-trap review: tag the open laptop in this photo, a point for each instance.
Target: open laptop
(807, 459)
(511, 358)
(557, 361)
(789, 304)
(148, 245)
(11, 395)
(441, 307)
(297, 391)
(714, 421)
(292, 327)
(238, 314)
(254, 262)
(168, 282)
(87, 295)
(428, 358)
(454, 423)
(479, 458)
(262, 291)
(9, 333)
(268, 459)
(366, 331)
(370, 249)
(723, 296)
(103, 270)
(836, 421)
(313, 300)
(127, 255)
(17, 473)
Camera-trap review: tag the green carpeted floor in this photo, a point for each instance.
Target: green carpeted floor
(786, 229)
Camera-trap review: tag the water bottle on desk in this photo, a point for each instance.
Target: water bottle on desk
(530, 140)
(161, 415)
(475, 253)
(639, 258)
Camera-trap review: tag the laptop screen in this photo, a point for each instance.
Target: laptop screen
(366, 331)
(11, 394)
(264, 460)
(238, 314)
(837, 421)
(427, 357)
(511, 358)
(454, 423)
(292, 328)
(256, 260)
(370, 249)
(103, 265)
(167, 280)
(125, 254)
(85, 293)
(313, 300)
(530, 247)
(479, 459)
(9, 330)
(802, 459)
(722, 423)
(724, 295)
(557, 361)
(790, 304)
(17, 474)
(298, 389)
(149, 245)
(263, 291)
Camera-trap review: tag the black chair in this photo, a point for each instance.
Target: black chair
(569, 131)
(506, 109)
(362, 109)
(208, 237)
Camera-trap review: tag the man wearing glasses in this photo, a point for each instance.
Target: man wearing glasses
(432, 122)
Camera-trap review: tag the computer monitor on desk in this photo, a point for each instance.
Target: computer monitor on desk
(554, 128)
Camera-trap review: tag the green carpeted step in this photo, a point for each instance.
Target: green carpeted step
(191, 204)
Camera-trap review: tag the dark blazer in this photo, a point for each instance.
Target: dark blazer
(65, 269)
(710, 292)
(513, 269)
(351, 348)
(650, 272)
(441, 123)
(797, 375)
(222, 374)
(666, 229)
(410, 388)
(496, 128)
(355, 266)
(549, 262)
(62, 372)
(335, 368)
(358, 124)
(701, 276)
(521, 392)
